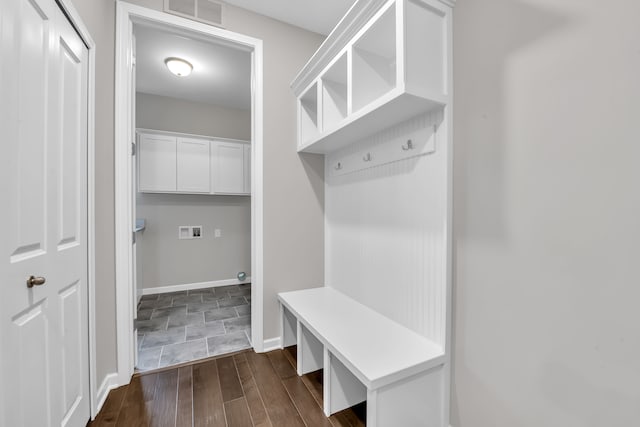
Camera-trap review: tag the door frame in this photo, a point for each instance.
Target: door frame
(76, 21)
(126, 15)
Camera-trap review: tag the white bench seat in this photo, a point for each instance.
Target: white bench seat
(335, 332)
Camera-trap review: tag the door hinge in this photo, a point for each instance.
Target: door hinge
(133, 148)
(133, 237)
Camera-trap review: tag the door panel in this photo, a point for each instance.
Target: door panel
(43, 207)
(29, 43)
(71, 83)
(247, 169)
(157, 163)
(30, 331)
(193, 165)
(228, 170)
(71, 300)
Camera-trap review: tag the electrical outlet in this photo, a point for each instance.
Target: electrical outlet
(217, 232)
(196, 232)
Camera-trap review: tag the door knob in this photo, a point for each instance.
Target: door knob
(35, 281)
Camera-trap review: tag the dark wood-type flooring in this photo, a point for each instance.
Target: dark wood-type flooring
(243, 389)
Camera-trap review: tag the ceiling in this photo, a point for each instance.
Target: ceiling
(221, 74)
(319, 16)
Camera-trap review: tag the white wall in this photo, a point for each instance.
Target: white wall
(386, 229)
(164, 260)
(99, 17)
(547, 213)
(178, 115)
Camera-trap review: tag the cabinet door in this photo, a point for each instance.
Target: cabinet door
(228, 169)
(193, 165)
(157, 163)
(247, 169)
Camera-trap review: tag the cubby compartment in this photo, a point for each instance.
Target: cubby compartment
(425, 60)
(334, 94)
(289, 328)
(374, 61)
(309, 120)
(310, 356)
(341, 388)
(374, 73)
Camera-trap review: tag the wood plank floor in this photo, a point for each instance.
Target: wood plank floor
(243, 389)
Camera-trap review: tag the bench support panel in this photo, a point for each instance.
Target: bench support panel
(310, 351)
(341, 388)
(414, 401)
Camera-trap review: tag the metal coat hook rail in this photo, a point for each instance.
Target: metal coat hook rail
(412, 144)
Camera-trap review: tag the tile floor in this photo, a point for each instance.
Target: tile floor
(183, 326)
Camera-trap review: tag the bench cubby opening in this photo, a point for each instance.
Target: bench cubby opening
(341, 388)
(310, 352)
(289, 328)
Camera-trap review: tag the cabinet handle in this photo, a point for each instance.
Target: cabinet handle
(367, 158)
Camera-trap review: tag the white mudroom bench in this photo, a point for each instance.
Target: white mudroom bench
(365, 356)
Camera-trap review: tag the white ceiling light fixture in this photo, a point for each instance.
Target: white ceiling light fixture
(178, 66)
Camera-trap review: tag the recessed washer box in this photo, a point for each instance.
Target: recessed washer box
(190, 232)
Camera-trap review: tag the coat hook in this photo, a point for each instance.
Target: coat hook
(367, 158)
(338, 166)
(408, 146)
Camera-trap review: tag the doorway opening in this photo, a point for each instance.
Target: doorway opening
(189, 276)
(192, 210)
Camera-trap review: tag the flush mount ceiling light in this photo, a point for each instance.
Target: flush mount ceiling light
(178, 66)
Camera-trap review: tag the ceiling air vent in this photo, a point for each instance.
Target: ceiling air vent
(207, 11)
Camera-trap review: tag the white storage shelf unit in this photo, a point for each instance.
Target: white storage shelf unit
(170, 162)
(377, 96)
(393, 68)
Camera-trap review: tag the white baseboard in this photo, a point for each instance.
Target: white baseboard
(271, 344)
(191, 286)
(109, 383)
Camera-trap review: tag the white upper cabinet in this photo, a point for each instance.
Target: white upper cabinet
(227, 167)
(169, 162)
(385, 64)
(157, 163)
(193, 165)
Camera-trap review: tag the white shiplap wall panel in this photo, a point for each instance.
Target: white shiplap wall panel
(386, 230)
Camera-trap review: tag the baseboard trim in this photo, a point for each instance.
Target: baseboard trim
(271, 344)
(109, 383)
(192, 286)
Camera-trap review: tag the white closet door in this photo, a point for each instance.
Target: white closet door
(44, 352)
(247, 169)
(157, 167)
(193, 165)
(228, 167)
